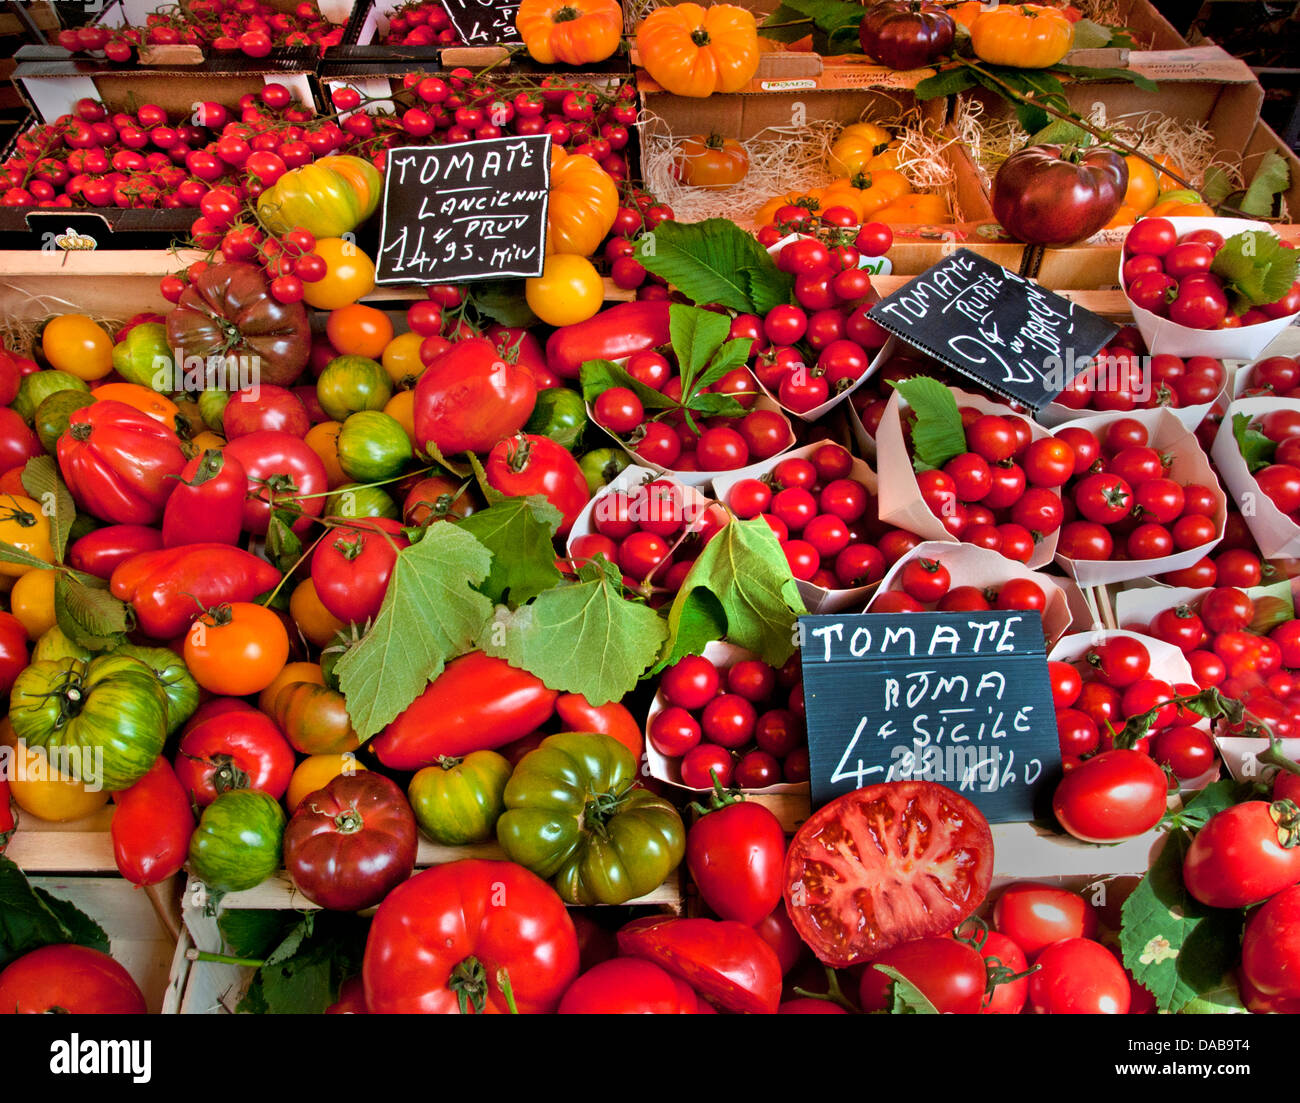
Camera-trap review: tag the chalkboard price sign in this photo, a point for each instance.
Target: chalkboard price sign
(484, 22)
(963, 699)
(467, 211)
(1005, 331)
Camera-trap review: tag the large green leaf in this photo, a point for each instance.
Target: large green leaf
(41, 480)
(519, 533)
(707, 262)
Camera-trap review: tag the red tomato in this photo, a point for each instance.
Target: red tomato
(351, 567)
(736, 855)
(948, 973)
(238, 749)
(628, 986)
(863, 873)
(1004, 959)
(280, 467)
(1078, 977)
(74, 980)
(529, 464)
(152, 825)
(1244, 855)
(1035, 916)
(1112, 796)
(1270, 948)
(726, 962)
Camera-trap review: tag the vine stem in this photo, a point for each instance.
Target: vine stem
(1105, 136)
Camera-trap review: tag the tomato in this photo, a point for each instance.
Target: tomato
(1077, 976)
(13, 650)
(79, 345)
(1199, 304)
(568, 291)
(948, 973)
(1051, 195)
(842, 863)
(477, 703)
(350, 384)
(902, 35)
(237, 649)
(574, 815)
(151, 827)
(736, 855)
(40, 788)
(578, 714)
(560, 414)
(328, 197)
(26, 526)
(726, 962)
(1003, 958)
(314, 718)
(233, 750)
(1270, 948)
(1178, 626)
(352, 565)
(1121, 660)
(279, 467)
(711, 162)
(1035, 916)
(359, 330)
(349, 274)
(445, 940)
(349, 844)
(629, 986)
(1113, 796)
(1028, 36)
(237, 844)
(1244, 854)
(68, 980)
(925, 580)
(695, 51)
(207, 505)
(529, 464)
(470, 399)
(315, 772)
(459, 800)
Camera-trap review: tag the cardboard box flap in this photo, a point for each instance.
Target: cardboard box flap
(1198, 63)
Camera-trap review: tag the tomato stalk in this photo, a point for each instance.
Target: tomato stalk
(996, 973)
(833, 994)
(223, 959)
(719, 798)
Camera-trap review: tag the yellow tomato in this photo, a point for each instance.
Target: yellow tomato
(207, 439)
(856, 147)
(323, 439)
(315, 772)
(401, 359)
(1142, 187)
(349, 274)
(568, 291)
(316, 623)
(1025, 36)
(292, 672)
(401, 408)
(42, 792)
(1180, 208)
(145, 399)
(78, 345)
(23, 525)
(1125, 216)
(866, 192)
(32, 601)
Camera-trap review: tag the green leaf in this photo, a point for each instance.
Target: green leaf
(293, 939)
(696, 335)
(705, 261)
(1217, 185)
(431, 613)
(1090, 36)
(503, 301)
(283, 545)
(1256, 268)
(784, 15)
(732, 355)
(1044, 84)
(11, 554)
(768, 287)
(1256, 449)
(937, 435)
(1210, 801)
(31, 918)
(740, 588)
(946, 82)
(907, 999)
(598, 376)
(828, 16)
(710, 405)
(608, 641)
(1175, 946)
(1223, 999)
(519, 534)
(255, 932)
(41, 481)
(1062, 133)
(1271, 179)
(302, 975)
(90, 617)
(1031, 117)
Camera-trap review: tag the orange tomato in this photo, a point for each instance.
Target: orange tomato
(237, 650)
(575, 32)
(78, 345)
(767, 212)
(1125, 216)
(866, 192)
(915, 210)
(145, 399)
(401, 359)
(349, 274)
(315, 772)
(1180, 208)
(1142, 187)
(1167, 182)
(316, 623)
(359, 330)
(696, 51)
(32, 601)
(323, 439)
(401, 408)
(207, 439)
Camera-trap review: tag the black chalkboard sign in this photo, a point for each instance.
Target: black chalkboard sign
(1007, 332)
(484, 22)
(963, 699)
(466, 211)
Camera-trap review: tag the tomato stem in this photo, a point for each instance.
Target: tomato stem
(833, 994)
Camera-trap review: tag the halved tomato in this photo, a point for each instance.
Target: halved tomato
(884, 865)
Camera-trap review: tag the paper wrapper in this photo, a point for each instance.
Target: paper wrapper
(985, 569)
(724, 656)
(702, 478)
(1140, 606)
(693, 502)
(901, 503)
(1190, 467)
(1276, 534)
(865, 441)
(1167, 664)
(1245, 343)
(816, 598)
(1054, 414)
